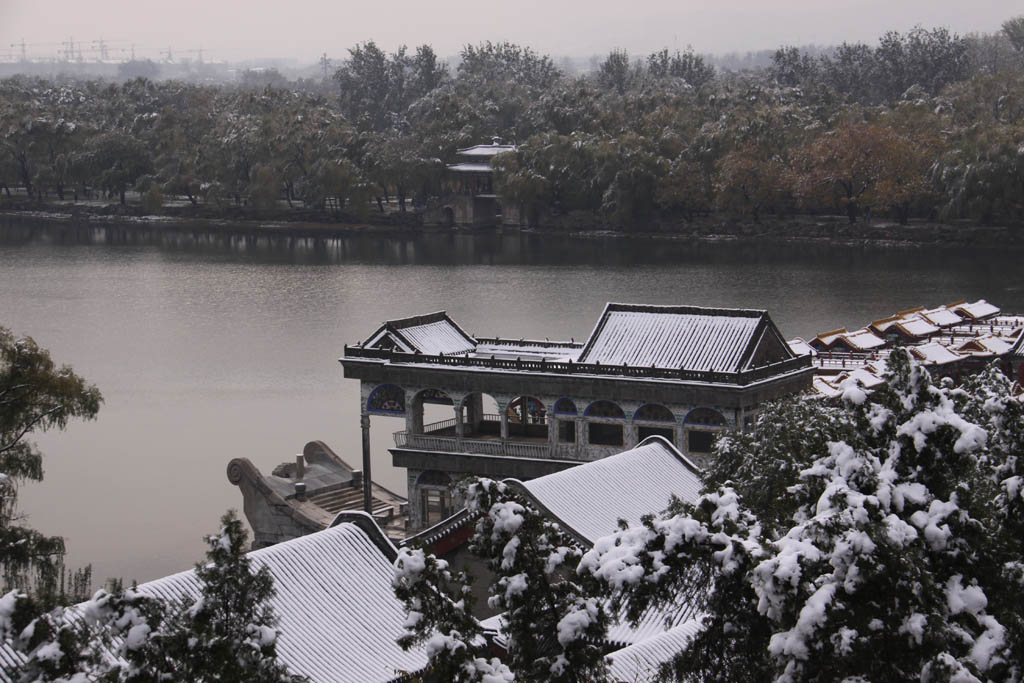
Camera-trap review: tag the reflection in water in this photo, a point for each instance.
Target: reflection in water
(210, 346)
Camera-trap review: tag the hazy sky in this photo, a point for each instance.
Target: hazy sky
(303, 29)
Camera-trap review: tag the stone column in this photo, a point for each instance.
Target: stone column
(553, 425)
(503, 416)
(459, 424)
(410, 419)
(364, 424)
(582, 438)
(630, 437)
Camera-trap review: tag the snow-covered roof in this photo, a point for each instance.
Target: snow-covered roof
(1018, 348)
(917, 327)
(827, 338)
(640, 662)
(979, 310)
(433, 334)
(339, 616)
(863, 340)
(859, 340)
(941, 317)
(684, 337)
(884, 323)
(985, 345)
(835, 385)
(485, 151)
(528, 349)
(590, 499)
(800, 347)
(934, 353)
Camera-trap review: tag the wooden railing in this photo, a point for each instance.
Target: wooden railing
(570, 368)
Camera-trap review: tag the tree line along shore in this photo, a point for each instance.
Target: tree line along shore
(920, 129)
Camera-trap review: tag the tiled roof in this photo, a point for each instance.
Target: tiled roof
(433, 334)
(863, 340)
(485, 150)
(639, 663)
(680, 337)
(339, 616)
(590, 499)
(800, 347)
(985, 345)
(918, 327)
(978, 310)
(934, 353)
(942, 317)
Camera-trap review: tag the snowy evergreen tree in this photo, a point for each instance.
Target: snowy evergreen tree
(877, 540)
(440, 604)
(227, 635)
(553, 626)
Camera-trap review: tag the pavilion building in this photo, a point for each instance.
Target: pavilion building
(527, 408)
(469, 198)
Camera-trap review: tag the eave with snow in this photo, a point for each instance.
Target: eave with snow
(588, 501)
(339, 617)
(525, 408)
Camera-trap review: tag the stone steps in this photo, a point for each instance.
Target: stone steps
(339, 499)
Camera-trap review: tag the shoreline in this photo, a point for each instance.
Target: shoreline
(821, 231)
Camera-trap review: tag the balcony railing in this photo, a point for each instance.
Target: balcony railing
(570, 368)
(499, 447)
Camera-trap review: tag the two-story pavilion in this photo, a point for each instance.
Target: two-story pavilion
(526, 408)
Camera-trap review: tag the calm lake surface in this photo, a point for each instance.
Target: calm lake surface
(208, 348)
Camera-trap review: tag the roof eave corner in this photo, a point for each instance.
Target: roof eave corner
(368, 525)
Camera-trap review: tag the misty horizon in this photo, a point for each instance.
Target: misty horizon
(236, 33)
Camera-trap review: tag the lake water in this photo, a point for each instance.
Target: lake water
(208, 348)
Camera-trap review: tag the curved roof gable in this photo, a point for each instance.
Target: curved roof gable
(433, 334)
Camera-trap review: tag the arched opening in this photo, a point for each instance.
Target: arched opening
(435, 496)
(480, 416)
(604, 426)
(527, 418)
(387, 399)
(565, 414)
(653, 419)
(448, 217)
(702, 426)
(432, 413)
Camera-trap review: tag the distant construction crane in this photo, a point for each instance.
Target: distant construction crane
(325, 63)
